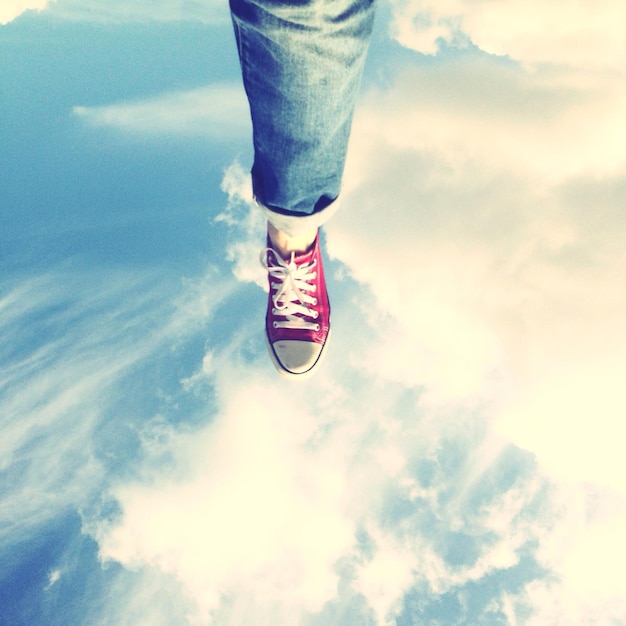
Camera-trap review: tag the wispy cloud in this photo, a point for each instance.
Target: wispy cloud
(44, 397)
(120, 11)
(246, 225)
(217, 111)
(70, 337)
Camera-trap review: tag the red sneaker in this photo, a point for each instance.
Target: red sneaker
(297, 324)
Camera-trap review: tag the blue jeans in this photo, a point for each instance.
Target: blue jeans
(301, 62)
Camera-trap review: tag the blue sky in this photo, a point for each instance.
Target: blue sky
(457, 460)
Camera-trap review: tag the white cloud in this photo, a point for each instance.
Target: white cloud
(497, 239)
(570, 420)
(70, 339)
(248, 517)
(46, 408)
(141, 598)
(578, 34)
(250, 511)
(470, 117)
(11, 9)
(247, 225)
(255, 512)
(490, 290)
(582, 544)
(482, 221)
(387, 577)
(483, 208)
(120, 11)
(53, 577)
(601, 549)
(218, 111)
(553, 604)
(498, 248)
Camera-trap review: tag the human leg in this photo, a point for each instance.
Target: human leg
(301, 65)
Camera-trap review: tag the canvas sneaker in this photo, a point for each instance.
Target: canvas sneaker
(297, 324)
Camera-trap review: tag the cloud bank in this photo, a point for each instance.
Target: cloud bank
(504, 225)
(379, 488)
(584, 35)
(11, 9)
(455, 461)
(487, 322)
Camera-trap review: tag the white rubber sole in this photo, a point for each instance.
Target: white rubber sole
(293, 375)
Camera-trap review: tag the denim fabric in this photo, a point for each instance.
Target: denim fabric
(301, 63)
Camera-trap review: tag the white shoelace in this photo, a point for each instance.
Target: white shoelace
(291, 291)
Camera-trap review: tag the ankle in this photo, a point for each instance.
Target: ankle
(285, 245)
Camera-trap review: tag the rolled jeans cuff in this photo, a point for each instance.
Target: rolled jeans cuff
(295, 225)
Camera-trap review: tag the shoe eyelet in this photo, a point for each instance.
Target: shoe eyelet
(315, 315)
(314, 301)
(275, 324)
(317, 328)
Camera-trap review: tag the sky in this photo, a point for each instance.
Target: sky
(457, 459)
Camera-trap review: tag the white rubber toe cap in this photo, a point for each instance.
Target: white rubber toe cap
(296, 357)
